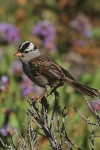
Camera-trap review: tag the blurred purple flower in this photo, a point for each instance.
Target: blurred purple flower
(46, 32)
(95, 105)
(3, 82)
(16, 69)
(4, 130)
(9, 33)
(82, 25)
(28, 88)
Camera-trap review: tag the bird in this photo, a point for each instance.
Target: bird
(47, 73)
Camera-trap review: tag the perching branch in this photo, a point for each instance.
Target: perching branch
(55, 132)
(51, 123)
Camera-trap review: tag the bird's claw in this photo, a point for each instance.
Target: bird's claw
(35, 99)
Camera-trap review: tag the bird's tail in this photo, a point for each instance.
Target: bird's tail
(84, 89)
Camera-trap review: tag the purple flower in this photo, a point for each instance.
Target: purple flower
(16, 69)
(9, 33)
(3, 82)
(46, 32)
(4, 130)
(28, 88)
(82, 25)
(95, 105)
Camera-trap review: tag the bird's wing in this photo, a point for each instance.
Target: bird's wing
(67, 74)
(43, 65)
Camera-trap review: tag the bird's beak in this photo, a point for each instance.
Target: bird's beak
(17, 54)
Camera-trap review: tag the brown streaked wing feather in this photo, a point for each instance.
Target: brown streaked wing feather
(47, 67)
(67, 74)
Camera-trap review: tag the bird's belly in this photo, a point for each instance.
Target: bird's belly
(41, 81)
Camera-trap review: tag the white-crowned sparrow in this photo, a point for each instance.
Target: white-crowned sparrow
(46, 73)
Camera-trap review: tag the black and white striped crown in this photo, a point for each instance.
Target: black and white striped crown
(27, 46)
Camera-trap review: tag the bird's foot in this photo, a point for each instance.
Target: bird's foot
(35, 99)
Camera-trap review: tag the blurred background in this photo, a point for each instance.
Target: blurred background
(65, 30)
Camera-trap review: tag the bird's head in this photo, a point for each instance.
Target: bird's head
(27, 51)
